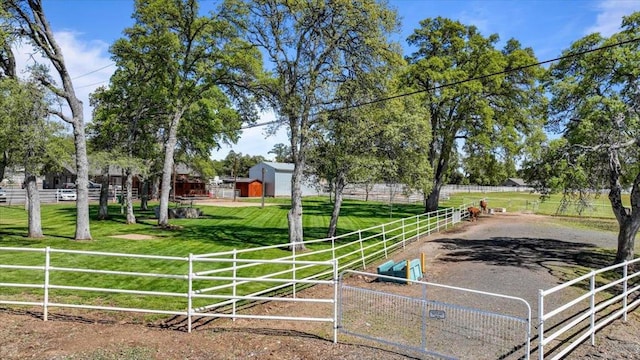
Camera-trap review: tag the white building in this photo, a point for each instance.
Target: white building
(277, 179)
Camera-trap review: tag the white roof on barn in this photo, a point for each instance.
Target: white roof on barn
(280, 166)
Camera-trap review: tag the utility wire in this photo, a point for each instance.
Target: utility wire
(486, 76)
(89, 85)
(506, 71)
(93, 71)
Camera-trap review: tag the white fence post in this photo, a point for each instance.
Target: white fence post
(335, 300)
(404, 239)
(418, 227)
(293, 266)
(235, 276)
(625, 289)
(429, 223)
(333, 247)
(190, 293)
(384, 242)
(47, 265)
(592, 304)
(540, 325)
(364, 265)
(446, 219)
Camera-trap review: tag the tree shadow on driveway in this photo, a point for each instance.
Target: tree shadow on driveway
(530, 253)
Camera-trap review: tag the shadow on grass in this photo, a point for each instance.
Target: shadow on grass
(17, 236)
(351, 208)
(242, 236)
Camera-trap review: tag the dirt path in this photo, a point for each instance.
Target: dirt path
(508, 253)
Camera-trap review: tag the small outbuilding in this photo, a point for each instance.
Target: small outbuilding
(277, 179)
(515, 182)
(249, 187)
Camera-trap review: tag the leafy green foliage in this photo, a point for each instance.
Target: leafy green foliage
(481, 100)
(282, 153)
(594, 106)
(27, 138)
(312, 48)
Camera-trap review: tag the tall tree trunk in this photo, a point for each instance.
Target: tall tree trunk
(33, 207)
(83, 231)
(433, 198)
(155, 187)
(144, 197)
(335, 214)
(103, 208)
(296, 235)
(626, 240)
(131, 218)
(167, 169)
(628, 219)
(3, 164)
(294, 217)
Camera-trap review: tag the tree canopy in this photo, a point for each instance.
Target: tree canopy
(481, 101)
(312, 48)
(198, 67)
(595, 108)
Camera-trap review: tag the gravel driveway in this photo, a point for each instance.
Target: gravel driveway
(518, 254)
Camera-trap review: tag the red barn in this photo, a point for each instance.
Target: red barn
(249, 187)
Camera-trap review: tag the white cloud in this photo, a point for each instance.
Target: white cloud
(256, 141)
(87, 62)
(610, 13)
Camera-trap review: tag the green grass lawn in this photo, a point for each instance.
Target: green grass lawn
(221, 229)
(599, 207)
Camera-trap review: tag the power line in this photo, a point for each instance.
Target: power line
(464, 81)
(259, 124)
(486, 76)
(96, 83)
(93, 71)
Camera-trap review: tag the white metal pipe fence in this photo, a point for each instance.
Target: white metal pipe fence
(211, 281)
(17, 196)
(608, 298)
(52, 286)
(428, 325)
(212, 285)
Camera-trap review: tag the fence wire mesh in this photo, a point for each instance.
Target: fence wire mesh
(432, 329)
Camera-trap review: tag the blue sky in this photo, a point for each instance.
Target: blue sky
(86, 28)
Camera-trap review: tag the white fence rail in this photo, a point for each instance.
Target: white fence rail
(613, 292)
(215, 284)
(439, 322)
(48, 278)
(17, 196)
(207, 284)
(398, 193)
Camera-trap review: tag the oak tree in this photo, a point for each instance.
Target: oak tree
(480, 99)
(312, 47)
(29, 21)
(190, 58)
(595, 107)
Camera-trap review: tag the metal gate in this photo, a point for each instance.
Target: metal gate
(435, 321)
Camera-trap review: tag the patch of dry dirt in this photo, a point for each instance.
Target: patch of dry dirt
(461, 256)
